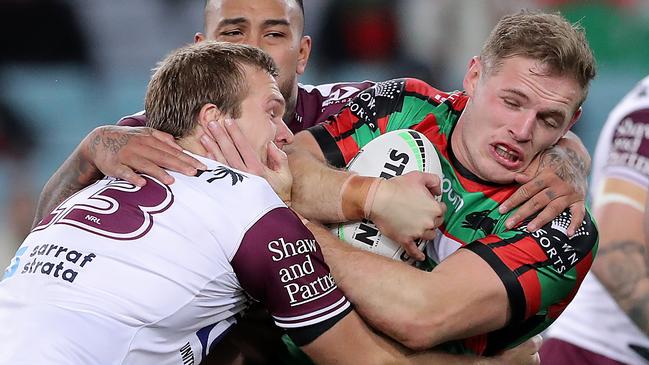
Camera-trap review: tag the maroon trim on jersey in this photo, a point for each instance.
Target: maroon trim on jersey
(280, 264)
(558, 352)
(137, 120)
(318, 103)
(630, 143)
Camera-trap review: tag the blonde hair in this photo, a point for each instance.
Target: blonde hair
(198, 74)
(548, 38)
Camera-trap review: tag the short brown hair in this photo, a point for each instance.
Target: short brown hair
(198, 74)
(548, 38)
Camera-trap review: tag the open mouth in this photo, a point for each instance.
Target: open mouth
(506, 153)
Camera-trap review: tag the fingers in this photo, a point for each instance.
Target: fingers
(537, 341)
(126, 173)
(248, 154)
(429, 235)
(523, 194)
(213, 149)
(433, 183)
(121, 151)
(277, 159)
(166, 138)
(578, 212)
(229, 152)
(413, 251)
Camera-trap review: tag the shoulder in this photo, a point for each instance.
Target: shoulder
(623, 146)
(336, 92)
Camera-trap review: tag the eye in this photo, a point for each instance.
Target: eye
(511, 103)
(550, 122)
(276, 35)
(231, 33)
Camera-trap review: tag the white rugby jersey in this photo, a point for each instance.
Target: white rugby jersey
(119, 274)
(593, 320)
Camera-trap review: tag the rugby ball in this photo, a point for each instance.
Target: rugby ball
(392, 154)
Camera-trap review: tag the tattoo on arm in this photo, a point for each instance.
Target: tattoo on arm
(568, 165)
(623, 268)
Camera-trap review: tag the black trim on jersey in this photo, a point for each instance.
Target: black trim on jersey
(499, 340)
(510, 280)
(328, 146)
(305, 335)
(463, 170)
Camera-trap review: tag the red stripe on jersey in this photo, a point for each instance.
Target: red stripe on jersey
(343, 124)
(521, 252)
(532, 289)
(477, 344)
(419, 87)
(383, 124)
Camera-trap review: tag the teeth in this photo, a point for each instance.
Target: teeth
(504, 153)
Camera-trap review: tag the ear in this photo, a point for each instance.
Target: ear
(574, 119)
(199, 37)
(472, 76)
(303, 55)
(208, 113)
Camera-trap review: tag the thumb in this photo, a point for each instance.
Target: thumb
(277, 158)
(432, 182)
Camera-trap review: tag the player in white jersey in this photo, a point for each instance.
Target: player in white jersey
(120, 274)
(608, 321)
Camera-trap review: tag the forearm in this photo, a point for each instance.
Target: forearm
(76, 173)
(387, 294)
(622, 263)
(316, 192)
(625, 275)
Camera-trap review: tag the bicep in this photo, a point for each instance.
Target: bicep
(468, 287)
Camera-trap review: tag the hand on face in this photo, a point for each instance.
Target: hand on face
(228, 145)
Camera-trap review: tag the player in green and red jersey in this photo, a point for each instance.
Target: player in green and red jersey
(538, 268)
(492, 286)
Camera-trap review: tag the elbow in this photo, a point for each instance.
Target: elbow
(419, 331)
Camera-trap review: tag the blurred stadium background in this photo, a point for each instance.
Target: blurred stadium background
(67, 66)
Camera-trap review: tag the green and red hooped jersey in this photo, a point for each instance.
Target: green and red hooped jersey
(541, 271)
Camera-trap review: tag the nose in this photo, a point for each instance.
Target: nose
(253, 39)
(283, 135)
(522, 130)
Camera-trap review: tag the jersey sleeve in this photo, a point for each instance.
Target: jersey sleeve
(629, 148)
(280, 264)
(135, 120)
(541, 272)
(369, 114)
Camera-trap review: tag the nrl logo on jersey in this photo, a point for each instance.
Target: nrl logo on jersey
(221, 173)
(341, 95)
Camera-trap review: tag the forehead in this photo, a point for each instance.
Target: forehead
(261, 84)
(532, 80)
(254, 11)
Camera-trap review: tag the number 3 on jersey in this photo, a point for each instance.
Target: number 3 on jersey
(118, 210)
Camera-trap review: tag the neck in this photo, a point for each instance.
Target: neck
(192, 143)
(456, 144)
(291, 104)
